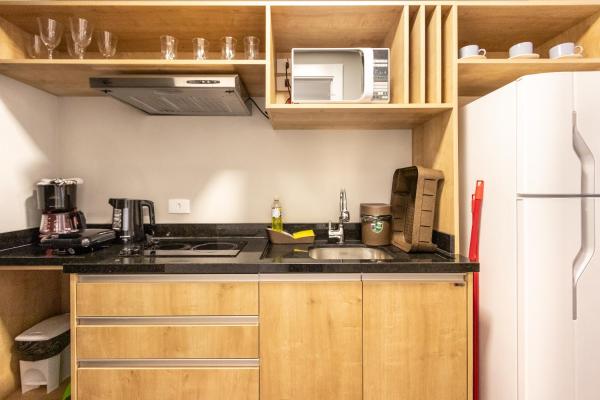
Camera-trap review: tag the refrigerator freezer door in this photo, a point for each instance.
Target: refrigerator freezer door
(547, 163)
(587, 124)
(559, 358)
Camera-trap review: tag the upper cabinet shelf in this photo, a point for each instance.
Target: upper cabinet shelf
(67, 77)
(499, 25)
(479, 77)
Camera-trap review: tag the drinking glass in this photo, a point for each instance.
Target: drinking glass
(81, 32)
(73, 48)
(36, 47)
(200, 48)
(251, 45)
(168, 47)
(51, 33)
(228, 47)
(107, 43)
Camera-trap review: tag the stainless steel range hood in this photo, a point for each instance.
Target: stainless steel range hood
(178, 95)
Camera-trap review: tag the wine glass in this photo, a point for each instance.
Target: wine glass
(73, 48)
(81, 32)
(51, 33)
(107, 43)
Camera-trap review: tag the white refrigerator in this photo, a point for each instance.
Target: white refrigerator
(536, 144)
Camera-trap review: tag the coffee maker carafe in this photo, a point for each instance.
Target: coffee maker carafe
(57, 198)
(128, 218)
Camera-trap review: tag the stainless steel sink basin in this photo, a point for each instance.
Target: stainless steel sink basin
(348, 253)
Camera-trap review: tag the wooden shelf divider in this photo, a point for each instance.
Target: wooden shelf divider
(398, 43)
(434, 55)
(417, 55)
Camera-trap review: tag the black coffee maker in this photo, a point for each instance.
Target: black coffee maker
(57, 198)
(63, 228)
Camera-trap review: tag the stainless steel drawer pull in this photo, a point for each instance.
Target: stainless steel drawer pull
(176, 320)
(416, 277)
(140, 278)
(169, 363)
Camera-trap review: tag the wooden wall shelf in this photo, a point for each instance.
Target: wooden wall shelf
(478, 77)
(71, 77)
(353, 116)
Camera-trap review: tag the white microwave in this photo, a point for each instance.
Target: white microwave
(340, 75)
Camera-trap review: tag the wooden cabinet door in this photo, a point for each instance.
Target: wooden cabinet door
(310, 338)
(415, 337)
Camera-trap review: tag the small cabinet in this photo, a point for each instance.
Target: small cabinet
(310, 337)
(415, 337)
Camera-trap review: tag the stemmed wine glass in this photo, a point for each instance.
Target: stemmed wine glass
(51, 33)
(81, 32)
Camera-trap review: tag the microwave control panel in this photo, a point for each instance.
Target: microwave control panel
(381, 81)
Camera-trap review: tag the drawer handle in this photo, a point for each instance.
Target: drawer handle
(432, 278)
(140, 278)
(177, 320)
(169, 363)
(300, 277)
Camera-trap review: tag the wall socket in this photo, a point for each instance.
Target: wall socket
(179, 206)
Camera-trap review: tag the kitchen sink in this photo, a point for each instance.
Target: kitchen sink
(348, 253)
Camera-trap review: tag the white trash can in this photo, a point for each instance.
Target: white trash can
(45, 354)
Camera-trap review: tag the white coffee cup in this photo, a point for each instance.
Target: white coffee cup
(520, 49)
(470, 51)
(565, 49)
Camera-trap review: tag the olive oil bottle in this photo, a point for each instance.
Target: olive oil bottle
(276, 216)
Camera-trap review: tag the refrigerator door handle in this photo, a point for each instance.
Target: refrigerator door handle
(588, 210)
(586, 158)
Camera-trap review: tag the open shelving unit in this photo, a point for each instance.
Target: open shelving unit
(415, 76)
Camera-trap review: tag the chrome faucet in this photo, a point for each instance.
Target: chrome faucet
(344, 217)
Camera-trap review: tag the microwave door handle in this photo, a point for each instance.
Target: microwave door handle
(588, 210)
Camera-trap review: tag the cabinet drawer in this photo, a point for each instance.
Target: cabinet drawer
(167, 341)
(167, 383)
(158, 298)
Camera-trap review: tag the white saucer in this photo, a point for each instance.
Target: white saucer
(530, 56)
(569, 56)
(476, 57)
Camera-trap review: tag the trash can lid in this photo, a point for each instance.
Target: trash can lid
(46, 330)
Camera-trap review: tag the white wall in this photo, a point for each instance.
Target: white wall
(28, 150)
(230, 167)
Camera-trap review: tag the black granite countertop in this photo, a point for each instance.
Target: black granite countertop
(258, 256)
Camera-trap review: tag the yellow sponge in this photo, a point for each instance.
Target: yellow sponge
(303, 234)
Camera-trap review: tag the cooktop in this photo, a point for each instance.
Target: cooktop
(188, 247)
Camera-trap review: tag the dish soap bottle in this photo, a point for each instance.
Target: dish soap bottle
(276, 217)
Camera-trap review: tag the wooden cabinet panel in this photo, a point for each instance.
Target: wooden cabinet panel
(415, 340)
(167, 298)
(167, 383)
(163, 341)
(310, 340)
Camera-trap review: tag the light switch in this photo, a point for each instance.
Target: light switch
(179, 206)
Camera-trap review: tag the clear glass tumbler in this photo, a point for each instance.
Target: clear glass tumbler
(36, 47)
(251, 47)
(201, 46)
(168, 47)
(228, 44)
(107, 43)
